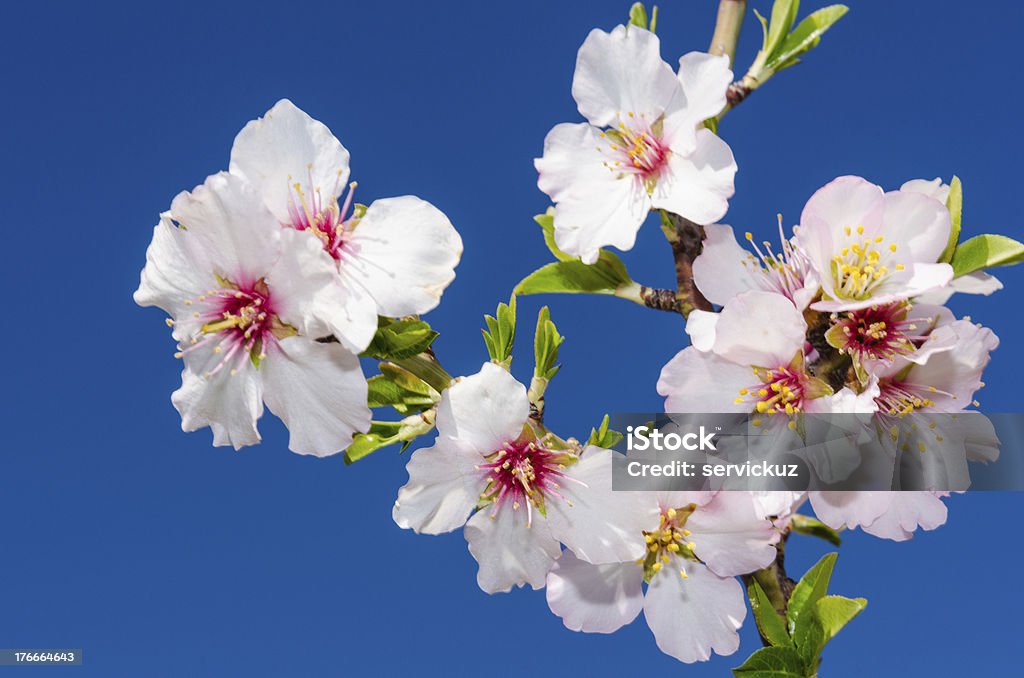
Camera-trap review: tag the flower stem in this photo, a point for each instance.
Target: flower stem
(727, 28)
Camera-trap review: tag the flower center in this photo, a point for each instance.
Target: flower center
(525, 473)
(239, 320)
(671, 538)
(877, 332)
(862, 264)
(324, 219)
(635, 147)
(783, 272)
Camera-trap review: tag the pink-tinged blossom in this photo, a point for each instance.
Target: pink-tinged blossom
(242, 294)
(530, 493)
(691, 547)
(724, 269)
(748, 358)
(393, 258)
(643, 144)
(868, 247)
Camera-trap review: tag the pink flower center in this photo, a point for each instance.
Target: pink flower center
(239, 320)
(323, 218)
(525, 473)
(877, 332)
(635, 147)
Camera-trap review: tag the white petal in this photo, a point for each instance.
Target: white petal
(595, 206)
(694, 381)
(235, 236)
(444, 486)
(906, 512)
(622, 72)
(286, 147)
(705, 79)
(700, 325)
(403, 253)
(601, 526)
(760, 328)
(723, 269)
(978, 282)
(595, 598)
(176, 271)
(484, 411)
(692, 617)
(918, 225)
(308, 294)
(698, 186)
(318, 391)
(933, 189)
(849, 509)
(510, 553)
(731, 536)
(956, 372)
(229, 404)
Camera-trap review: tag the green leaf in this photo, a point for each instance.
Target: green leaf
(955, 205)
(783, 16)
(547, 224)
(545, 346)
(986, 251)
(772, 662)
(806, 36)
(638, 15)
(809, 590)
(605, 276)
(815, 528)
(400, 389)
(500, 334)
(398, 339)
(830, 614)
(604, 436)
(385, 433)
(769, 621)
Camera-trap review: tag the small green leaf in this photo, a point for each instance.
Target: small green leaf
(385, 433)
(955, 205)
(500, 334)
(806, 36)
(829, 615)
(547, 224)
(809, 590)
(783, 16)
(769, 621)
(815, 528)
(400, 389)
(397, 339)
(604, 276)
(545, 346)
(772, 662)
(986, 251)
(603, 436)
(638, 15)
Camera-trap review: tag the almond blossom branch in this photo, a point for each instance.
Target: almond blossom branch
(687, 241)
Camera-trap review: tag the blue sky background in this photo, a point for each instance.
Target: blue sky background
(162, 556)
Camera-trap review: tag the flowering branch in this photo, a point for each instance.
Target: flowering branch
(687, 241)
